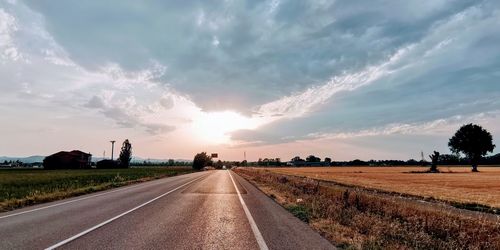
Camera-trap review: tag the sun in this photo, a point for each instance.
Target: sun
(214, 127)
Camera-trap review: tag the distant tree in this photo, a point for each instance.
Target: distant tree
(494, 159)
(359, 162)
(313, 158)
(244, 163)
(449, 159)
(297, 158)
(412, 162)
(434, 159)
(201, 160)
(473, 141)
(218, 164)
(125, 154)
(328, 160)
(171, 162)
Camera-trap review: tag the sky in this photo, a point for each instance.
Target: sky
(345, 79)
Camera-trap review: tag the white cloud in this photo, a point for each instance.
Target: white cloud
(444, 34)
(215, 41)
(445, 126)
(299, 104)
(8, 49)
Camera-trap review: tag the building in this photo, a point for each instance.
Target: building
(68, 160)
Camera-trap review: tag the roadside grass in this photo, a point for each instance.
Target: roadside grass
(299, 211)
(23, 187)
(357, 218)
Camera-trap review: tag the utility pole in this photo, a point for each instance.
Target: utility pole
(245, 155)
(112, 148)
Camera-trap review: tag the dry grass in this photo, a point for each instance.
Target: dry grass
(356, 218)
(457, 184)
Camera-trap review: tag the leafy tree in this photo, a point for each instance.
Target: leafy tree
(201, 160)
(328, 160)
(473, 141)
(313, 158)
(297, 158)
(125, 154)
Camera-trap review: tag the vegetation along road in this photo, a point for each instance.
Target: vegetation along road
(21, 187)
(210, 210)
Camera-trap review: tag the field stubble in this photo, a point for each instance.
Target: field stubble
(356, 218)
(455, 184)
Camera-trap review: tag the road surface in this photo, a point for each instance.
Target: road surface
(205, 210)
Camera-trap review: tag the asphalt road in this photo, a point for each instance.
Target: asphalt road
(206, 210)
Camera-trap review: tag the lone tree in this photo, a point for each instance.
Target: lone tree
(473, 141)
(434, 158)
(201, 160)
(125, 154)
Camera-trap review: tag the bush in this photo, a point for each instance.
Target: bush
(108, 164)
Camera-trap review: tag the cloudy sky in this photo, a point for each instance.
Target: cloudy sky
(345, 79)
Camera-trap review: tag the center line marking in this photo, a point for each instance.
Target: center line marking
(76, 236)
(255, 229)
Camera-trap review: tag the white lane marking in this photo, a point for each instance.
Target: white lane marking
(71, 201)
(255, 229)
(76, 236)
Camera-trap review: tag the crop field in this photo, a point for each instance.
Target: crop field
(358, 218)
(21, 187)
(456, 184)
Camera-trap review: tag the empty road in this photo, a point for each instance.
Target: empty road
(205, 210)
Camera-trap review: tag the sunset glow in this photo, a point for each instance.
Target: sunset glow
(215, 128)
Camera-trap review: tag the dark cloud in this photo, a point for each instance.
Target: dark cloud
(263, 53)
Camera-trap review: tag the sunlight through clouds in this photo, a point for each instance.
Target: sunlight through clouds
(245, 74)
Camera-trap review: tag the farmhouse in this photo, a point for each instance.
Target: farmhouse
(68, 160)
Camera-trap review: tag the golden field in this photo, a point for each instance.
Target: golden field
(452, 184)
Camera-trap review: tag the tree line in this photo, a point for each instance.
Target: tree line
(468, 145)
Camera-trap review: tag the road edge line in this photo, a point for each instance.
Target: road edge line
(65, 202)
(76, 236)
(256, 232)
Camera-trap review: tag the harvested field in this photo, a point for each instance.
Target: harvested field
(356, 218)
(455, 184)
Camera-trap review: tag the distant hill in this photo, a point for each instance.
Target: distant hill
(29, 159)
